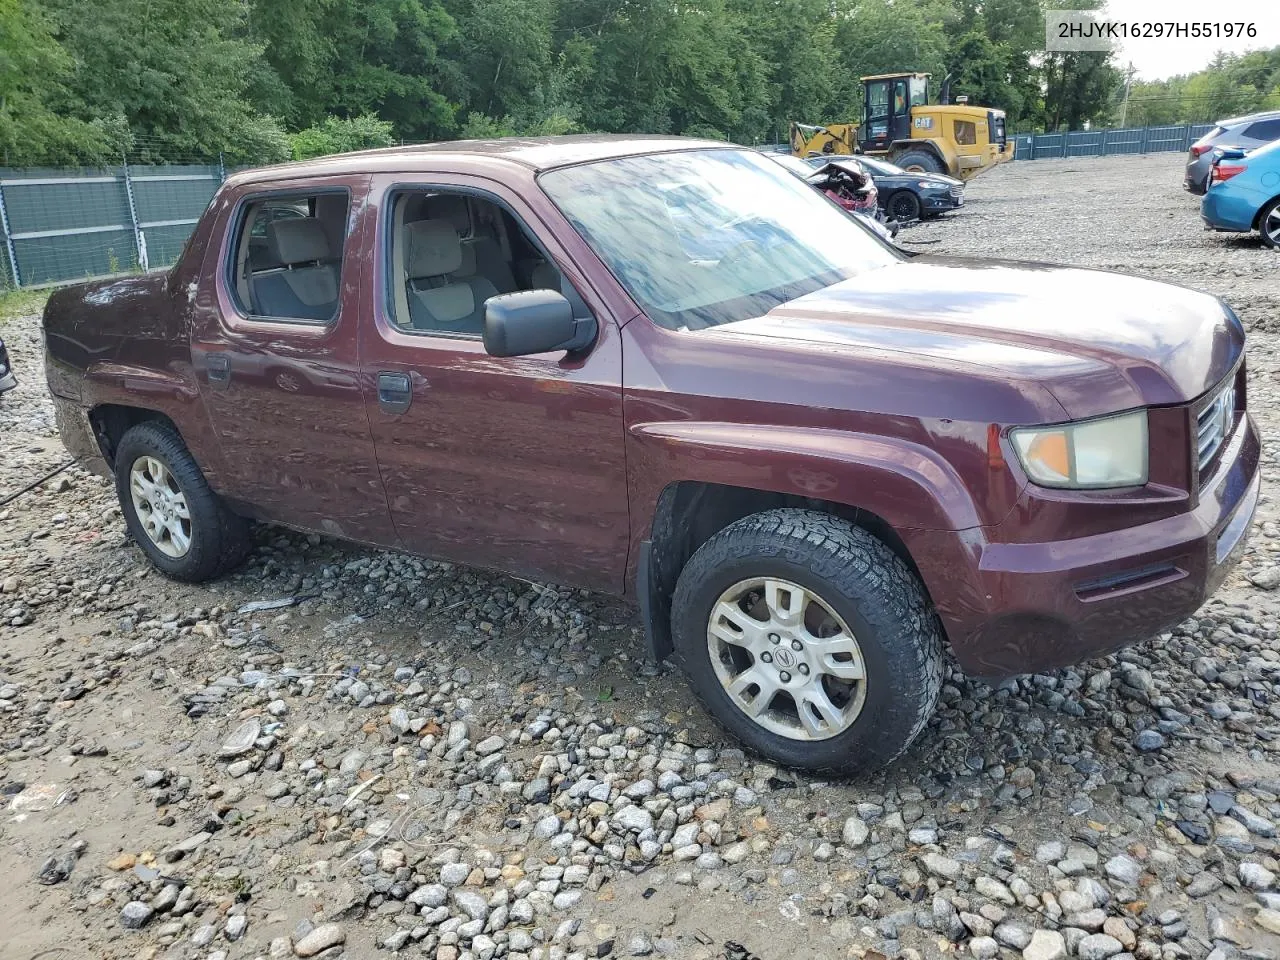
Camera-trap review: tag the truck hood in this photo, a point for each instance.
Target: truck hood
(1098, 341)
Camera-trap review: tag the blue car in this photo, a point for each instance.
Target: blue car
(1244, 193)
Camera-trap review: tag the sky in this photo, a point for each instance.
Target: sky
(1158, 59)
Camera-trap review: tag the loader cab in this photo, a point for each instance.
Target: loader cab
(886, 108)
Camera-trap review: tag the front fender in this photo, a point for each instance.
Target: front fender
(907, 485)
(904, 483)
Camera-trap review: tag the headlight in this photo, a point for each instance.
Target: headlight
(1108, 452)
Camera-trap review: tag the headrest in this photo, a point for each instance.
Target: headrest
(450, 208)
(297, 241)
(447, 304)
(545, 277)
(468, 266)
(433, 248)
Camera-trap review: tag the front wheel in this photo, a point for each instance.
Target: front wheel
(809, 640)
(1269, 223)
(903, 206)
(182, 526)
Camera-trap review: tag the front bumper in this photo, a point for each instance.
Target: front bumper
(7, 380)
(1052, 604)
(940, 202)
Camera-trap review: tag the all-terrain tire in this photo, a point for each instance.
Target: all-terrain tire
(219, 538)
(920, 160)
(872, 590)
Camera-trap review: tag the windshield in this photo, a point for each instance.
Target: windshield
(882, 167)
(797, 166)
(705, 237)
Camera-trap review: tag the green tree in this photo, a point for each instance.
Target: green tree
(341, 135)
(478, 126)
(660, 68)
(1080, 88)
(795, 41)
(885, 36)
(34, 127)
(178, 71)
(503, 50)
(297, 55)
(992, 51)
(386, 60)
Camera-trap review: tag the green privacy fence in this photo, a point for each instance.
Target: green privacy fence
(59, 225)
(1105, 143)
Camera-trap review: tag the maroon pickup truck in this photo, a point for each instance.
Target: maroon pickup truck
(668, 369)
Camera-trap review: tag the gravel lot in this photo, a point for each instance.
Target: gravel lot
(420, 758)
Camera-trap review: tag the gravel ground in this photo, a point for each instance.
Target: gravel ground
(420, 758)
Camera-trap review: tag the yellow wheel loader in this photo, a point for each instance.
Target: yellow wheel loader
(900, 125)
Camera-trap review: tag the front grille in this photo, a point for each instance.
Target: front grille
(957, 191)
(1213, 425)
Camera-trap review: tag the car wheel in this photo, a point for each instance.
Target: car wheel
(920, 161)
(903, 206)
(182, 526)
(1269, 223)
(288, 382)
(809, 640)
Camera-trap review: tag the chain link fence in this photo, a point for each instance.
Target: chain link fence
(61, 225)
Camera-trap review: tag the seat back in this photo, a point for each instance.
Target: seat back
(438, 298)
(301, 280)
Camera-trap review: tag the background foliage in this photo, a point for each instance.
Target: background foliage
(264, 80)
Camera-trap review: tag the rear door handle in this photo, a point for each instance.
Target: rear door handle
(394, 392)
(219, 369)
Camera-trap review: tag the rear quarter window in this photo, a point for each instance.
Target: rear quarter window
(1265, 130)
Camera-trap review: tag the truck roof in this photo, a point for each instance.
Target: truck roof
(534, 153)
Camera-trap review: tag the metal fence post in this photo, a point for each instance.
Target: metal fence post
(8, 242)
(222, 168)
(139, 241)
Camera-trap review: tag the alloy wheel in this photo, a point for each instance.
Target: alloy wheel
(786, 659)
(161, 506)
(1271, 226)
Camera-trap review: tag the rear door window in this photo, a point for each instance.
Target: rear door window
(287, 258)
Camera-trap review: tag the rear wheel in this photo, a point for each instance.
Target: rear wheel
(809, 640)
(903, 206)
(182, 526)
(1269, 223)
(920, 161)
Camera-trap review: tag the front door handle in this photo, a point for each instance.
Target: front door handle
(394, 392)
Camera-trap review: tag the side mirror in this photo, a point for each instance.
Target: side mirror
(534, 321)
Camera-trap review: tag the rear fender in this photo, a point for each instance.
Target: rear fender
(170, 390)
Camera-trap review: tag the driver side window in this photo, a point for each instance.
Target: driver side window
(451, 253)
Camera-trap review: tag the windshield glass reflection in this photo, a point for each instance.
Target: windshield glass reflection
(706, 237)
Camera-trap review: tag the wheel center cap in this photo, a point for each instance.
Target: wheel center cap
(784, 657)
